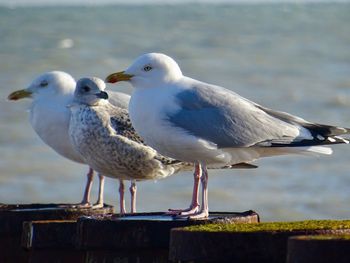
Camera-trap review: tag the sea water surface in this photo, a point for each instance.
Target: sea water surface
(289, 57)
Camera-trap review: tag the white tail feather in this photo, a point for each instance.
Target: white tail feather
(306, 150)
(319, 150)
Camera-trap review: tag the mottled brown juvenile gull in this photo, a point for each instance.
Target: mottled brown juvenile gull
(102, 133)
(104, 137)
(51, 92)
(197, 122)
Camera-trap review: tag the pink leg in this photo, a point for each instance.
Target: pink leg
(204, 212)
(194, 206)
(86, 198)
(133, 190)
(85, 203)
(121, 197)
(99, 203)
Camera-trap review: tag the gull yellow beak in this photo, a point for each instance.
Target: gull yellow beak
(19, 94)
(119, 76)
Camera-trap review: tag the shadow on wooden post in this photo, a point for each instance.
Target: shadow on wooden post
(141, 237)
(319, 249)
(212, 245)
(12, 218)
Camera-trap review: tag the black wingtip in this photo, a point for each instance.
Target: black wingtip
(244, 166)
(325, 130)
(324, 134)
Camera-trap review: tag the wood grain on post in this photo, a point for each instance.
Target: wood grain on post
(319, 249)
(127, 256)
(49, 234)
(143, 230)
(232, 246)
(12, 217)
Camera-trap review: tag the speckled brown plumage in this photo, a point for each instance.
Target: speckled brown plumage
(104, 136)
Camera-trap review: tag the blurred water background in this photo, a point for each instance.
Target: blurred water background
(293, 57)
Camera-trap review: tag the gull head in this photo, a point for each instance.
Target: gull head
(49, 84)
(149, 70)
(90, 91)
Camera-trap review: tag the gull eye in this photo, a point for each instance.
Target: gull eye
(86, 88)
(44, 83)
(147, 68)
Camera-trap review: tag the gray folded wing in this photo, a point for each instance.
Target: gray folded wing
(118, 99)
(229, 120)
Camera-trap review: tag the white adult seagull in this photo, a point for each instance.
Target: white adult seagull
(49, 116)
(197, 122)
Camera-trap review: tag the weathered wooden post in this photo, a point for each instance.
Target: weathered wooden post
(319, 249)
(12, 218)
(141, 237)
(263, 243)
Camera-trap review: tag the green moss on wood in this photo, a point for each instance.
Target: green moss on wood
(323, 237)
(273, 226)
